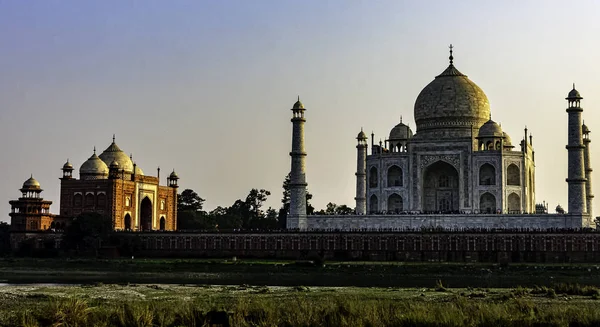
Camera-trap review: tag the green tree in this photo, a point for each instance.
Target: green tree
(88, 231)
(343, 210)
(189, 200)
(285, 201)
(4, 238)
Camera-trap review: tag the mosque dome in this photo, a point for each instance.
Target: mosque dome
(361, 135)
(31, 184)
(93, 168)
(298, 104)
(400, 132)
(114, 164)
(574, 94)
(490, 129)
(585, 129)
(138, 170)
(67, 166)
(507, 140)
(114, 153)
(451, 101)
(173, 175)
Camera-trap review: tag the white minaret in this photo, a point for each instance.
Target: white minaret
(576, 176)
(296, 219)
(361, 174)
(588, 169)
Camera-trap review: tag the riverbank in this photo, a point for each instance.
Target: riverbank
(292, 273)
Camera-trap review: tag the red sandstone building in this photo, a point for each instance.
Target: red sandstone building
(110, 184)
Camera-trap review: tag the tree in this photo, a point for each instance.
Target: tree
(189, 200)
(285, 208)
(189, 212)
(331, 208)
(87, 232)
(4, 238)
(344, 210)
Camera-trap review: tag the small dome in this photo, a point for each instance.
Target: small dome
(585, 129)
(361, 135)
(114, 164)
(298, 104)
(31, 184)
(574, 94)
(507, 140)
(490, 129)
(67, 166)
(112, 153)
(93, 168)
(138, 170)
(173, 175)
(400, 132)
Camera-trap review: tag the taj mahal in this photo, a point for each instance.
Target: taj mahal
(457, 170)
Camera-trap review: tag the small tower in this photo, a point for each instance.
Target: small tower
(67, 170)
(576, 176)
(297, 216)
(172, 180)
(113, 170)
(30, 212)
(361, 174)
(589, 196)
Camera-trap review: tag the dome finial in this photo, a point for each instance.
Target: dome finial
(451, 57)
(113, 138)
(400, 118)
(94, 149)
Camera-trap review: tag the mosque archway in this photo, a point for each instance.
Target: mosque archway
(513, 175)
(394, 176)
(162, 223)
(373, 204)
(127, 222)
(487, 203)
(373, 177)
(514, 203)
(395, 203)
(146, 214)
(440, 188)
(487, 175)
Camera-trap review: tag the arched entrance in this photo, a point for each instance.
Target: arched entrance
(127, 222)
(487, 203)
(514, 203)
(162, 223)
(373, 204)
(395, 204)
(146, 214)
(440, 188)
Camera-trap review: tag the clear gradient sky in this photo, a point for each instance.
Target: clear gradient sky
(205, 87)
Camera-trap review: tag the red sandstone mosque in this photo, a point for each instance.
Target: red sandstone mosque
(110, 184)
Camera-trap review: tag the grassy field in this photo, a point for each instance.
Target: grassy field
(243, 305)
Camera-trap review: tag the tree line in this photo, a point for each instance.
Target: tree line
(248, 213)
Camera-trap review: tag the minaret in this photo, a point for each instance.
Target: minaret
(576, 176)
(296, 219)
(587, 160)
(361, 174)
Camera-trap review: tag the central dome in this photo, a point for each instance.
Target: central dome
(114, 153)
(451, 104)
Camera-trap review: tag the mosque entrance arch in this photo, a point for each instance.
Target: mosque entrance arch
(127, 222)
(440, 188)
(487, 203)
(146, 214)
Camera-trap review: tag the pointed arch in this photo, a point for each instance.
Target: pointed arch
(89, 200)
(513, 175)
(395, 203)
(373, 204)
(162, 223)
(440, 188)
(127, 222)
(394, 176)
(101, 200)
(373, 177)
(514, 203)
(487, 174)
(487, 203)
(146, 214)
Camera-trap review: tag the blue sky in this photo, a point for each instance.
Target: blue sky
(205, 87)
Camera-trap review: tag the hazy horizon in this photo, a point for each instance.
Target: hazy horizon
(205, 87)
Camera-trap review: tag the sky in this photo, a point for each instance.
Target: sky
(205, 87)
